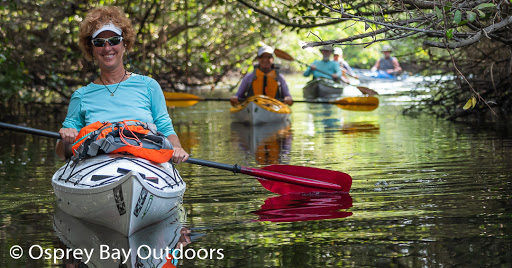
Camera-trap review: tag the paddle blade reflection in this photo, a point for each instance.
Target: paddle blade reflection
(305, 207)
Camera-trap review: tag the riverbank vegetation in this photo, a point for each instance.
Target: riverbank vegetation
(198, 44)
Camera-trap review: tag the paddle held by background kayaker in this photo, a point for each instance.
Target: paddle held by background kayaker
(387, 63)
(264, 80)
(106, 34)
(325, 68)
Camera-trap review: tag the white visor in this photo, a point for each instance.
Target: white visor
(108, 27)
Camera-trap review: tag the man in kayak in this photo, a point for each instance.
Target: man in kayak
(325, 68)
(345, 68)
(264, 80)
(387, 63)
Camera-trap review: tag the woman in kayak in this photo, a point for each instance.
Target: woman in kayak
(264, 80)
(106, 34)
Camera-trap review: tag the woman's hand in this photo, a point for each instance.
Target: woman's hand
(68, 134)
(179, 155)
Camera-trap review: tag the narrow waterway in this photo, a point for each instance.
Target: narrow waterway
(426, 192)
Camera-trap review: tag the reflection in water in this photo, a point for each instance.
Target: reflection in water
(109, 247)
(333, 120)
(269, 143)
(188, 138)
(305, 207)
(359, 127)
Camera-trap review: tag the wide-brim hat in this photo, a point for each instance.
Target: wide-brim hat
(386, 48)
(338, 51)
(327, 47)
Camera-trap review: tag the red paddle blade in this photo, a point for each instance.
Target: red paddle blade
(305, 207)
(285, 179)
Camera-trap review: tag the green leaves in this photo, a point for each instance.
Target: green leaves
(471, 16)
(486, 7)
(470, 104)
(448, 12)
(457, 17)
(449, 33)
(439, 13)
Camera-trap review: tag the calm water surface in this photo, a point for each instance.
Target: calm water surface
(425, 192)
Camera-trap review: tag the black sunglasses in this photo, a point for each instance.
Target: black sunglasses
(112, 41)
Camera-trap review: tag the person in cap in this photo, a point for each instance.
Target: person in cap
(345, 67)
(325, 68)
(264, 80)
(387, 63)
(105, 36)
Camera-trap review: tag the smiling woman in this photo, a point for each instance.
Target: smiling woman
(116, 95)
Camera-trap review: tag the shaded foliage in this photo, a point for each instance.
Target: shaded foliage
(183, 44)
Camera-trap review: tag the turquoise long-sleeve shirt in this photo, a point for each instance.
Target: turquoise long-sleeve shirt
(137, 98)
(330, 67)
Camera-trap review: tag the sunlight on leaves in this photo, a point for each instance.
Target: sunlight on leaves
(449, 33)
(470, 104)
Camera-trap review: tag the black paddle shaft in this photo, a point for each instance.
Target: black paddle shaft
(30, 130)
(235, 168)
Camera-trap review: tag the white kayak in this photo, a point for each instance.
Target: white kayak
(260, 109)
(120, 192)
(148, 247)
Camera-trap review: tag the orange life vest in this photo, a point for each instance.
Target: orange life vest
(130, 137)
(265, 83)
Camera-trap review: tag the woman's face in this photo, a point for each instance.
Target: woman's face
(109, 57)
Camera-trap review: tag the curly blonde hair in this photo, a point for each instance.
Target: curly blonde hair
(98, 17)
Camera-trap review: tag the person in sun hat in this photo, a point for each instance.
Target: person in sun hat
(264, 80)
(105, 36)
(345, 67)
(325, 68)
(387, 63)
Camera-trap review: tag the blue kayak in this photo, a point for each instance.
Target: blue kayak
(369, 76)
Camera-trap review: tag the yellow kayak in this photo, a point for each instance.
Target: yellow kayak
(259, 110)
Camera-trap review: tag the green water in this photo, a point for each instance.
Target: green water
(425, 192)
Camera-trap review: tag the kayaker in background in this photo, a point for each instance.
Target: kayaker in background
(345, 67)
(105, 35)
(325, 68)
(264, 80)
(387, 63)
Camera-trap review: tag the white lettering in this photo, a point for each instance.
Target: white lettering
(88, 255)
(219, 251)
(56, 252)
(104, 250)
(193, 254)
(199, 254)
(40, 252)
(179, 252)
(126, 254)
(147, 251)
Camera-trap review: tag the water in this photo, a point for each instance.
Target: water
(425, 192)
